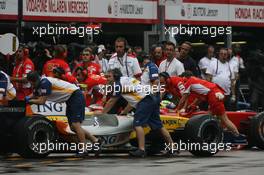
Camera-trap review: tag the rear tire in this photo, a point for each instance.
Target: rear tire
(204, 130)
(257, 130)
(30, 133)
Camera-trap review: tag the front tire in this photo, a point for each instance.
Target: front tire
(33, 135)
(204, 133)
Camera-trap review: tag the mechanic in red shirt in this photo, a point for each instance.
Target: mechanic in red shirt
(212, 93)
(172, 84)
(23, 65)
(59, 72)
(175, 86)
(59, 60)
(87, 64)
(91, 88)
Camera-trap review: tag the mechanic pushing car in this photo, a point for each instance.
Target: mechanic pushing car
(211, 92)
(56, 90)
(174, 85)
(146, 103)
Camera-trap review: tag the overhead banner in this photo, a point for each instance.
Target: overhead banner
(8, 9)
(55, 9)
(216, 13)
(141, 11)
(248, 14)
(125, 10)
(200, 12)
(197, 12)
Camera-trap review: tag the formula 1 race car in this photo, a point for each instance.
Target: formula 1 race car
(22, 128)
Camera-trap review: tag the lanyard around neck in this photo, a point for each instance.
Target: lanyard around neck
(167, 65)
(121, 62)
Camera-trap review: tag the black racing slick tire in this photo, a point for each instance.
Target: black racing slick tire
(257, 130)
(204, 134)
(33, 135)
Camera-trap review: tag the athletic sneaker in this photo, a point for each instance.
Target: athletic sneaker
(82, 155)
(240, 140)
(171, 153)
(100, 144)
(138, 153)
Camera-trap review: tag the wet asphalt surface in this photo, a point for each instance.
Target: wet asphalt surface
(242, 162)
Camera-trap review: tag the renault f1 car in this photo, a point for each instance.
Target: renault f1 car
(23, 127)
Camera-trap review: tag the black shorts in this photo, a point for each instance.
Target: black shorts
(75, 110)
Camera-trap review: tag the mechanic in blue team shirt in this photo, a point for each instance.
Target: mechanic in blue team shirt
(7, 90)
(146, 104)
(57, 90)
(150, 73)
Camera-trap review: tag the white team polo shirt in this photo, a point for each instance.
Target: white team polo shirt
(204, 64)
(128, 65)
(222, 74)
(173, 68)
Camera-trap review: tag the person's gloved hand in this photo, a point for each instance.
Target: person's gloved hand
(27, 98)
(233, 98)
(219, 96)
(182, 110)
(171, 105)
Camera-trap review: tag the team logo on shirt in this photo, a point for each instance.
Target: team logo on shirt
(50, 67)
(95, 77)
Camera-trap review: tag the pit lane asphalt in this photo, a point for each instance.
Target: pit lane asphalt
(237, 162)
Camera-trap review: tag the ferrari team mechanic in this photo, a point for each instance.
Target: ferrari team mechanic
(172, 84)
(214, 94)
(145, 103)
(7, 90)
(127, 64)
(56, 90)
(92, 82)
(175, 86)
(23, 65)
(87, 64)
(58, 72)
(59, 60)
